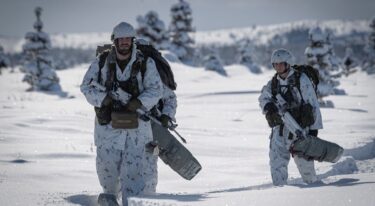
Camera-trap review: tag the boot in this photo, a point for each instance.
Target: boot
(107, 200)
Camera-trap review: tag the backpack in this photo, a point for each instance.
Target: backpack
(147, 50)
(309, 71)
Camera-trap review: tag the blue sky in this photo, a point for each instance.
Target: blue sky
(66, 16)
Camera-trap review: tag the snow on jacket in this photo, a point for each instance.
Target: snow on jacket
(169, 100)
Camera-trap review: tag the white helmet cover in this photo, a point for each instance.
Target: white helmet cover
(282, 55)
(123, 30)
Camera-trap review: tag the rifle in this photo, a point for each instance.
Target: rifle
(142, 112)
(171, 125)
(287, 118)
(304, 145)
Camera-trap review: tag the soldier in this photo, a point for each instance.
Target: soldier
(304, 108)
(122, 162)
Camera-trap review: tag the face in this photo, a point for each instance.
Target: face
(124, 45)
(280, 67)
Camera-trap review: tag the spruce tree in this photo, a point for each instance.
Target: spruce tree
(349, 62)
(369, 64)
(4, 60)
(321, 57)
(212, 62)
(180, 27)
(153, 30)
(38, 66)
(246, 53)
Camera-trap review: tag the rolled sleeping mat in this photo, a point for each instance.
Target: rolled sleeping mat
(317, 149)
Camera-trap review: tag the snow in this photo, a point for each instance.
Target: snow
(258, 34)
(263, 34)
(47, 155)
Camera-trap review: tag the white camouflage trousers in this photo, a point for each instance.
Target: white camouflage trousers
(132, 171)
(279, 159)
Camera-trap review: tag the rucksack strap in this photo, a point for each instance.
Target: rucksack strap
(111, 76)
(102, 59)
(297, 76)
(141, 64)
(274, 86)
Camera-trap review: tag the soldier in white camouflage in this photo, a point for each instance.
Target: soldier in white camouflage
(123, 164)
(281, 138)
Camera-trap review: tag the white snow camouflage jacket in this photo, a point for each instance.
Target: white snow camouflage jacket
(169, 100)
(307, 94)
(150, 92)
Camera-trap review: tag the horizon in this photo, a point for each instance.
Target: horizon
(98, 16)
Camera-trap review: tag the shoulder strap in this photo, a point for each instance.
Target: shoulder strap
(102, 58)
(143, 68)
(139, 65)
(274, 85)
(297, 76)
(111, 76)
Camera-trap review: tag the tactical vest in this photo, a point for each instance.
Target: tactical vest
(308, 70)
(302, 113)
(130, 85)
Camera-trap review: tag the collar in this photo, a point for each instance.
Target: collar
(290, 73)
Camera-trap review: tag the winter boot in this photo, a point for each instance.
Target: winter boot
(107, 200)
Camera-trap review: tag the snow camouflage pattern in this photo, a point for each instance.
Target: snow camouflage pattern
(169, 100)
(121, 155)
(279, 144)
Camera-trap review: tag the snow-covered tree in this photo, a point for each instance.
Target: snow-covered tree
(320, 56)
(245, 54)
(349, 62)
(181, 25)
(369, 64)
(153, 30)
(38, 66)
(4, 60)
(212, 62)
(335, 61)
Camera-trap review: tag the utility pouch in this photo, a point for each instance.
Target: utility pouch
(306, 115)
(303, 114)
(124, 120)
(103, 115)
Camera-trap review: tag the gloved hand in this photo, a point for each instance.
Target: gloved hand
(272, 115)
(270, 107)
(165, 119)
(313, 132)
(273, 119)
(134, 104)
(107, 101)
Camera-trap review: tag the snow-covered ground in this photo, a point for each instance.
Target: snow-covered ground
(47, 155)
